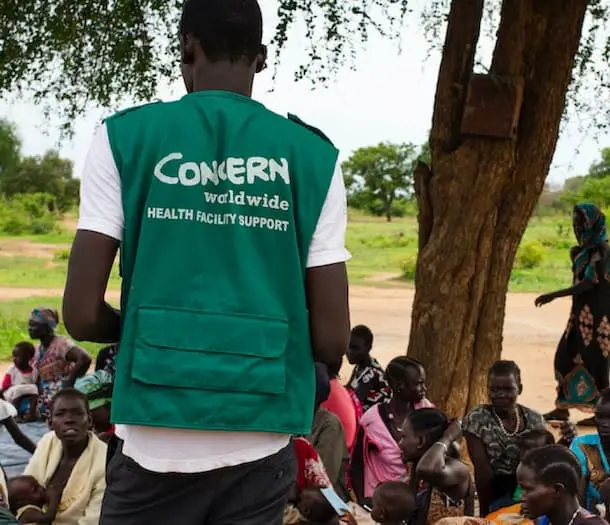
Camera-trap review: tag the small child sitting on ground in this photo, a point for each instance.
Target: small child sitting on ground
(19, 383)
(393, 503)
(315, 508)
(27, 498)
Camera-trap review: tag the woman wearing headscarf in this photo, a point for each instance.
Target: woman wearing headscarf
(581, 359)
(58, 360)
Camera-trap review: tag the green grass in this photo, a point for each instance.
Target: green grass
(14, 323)
(378, 249)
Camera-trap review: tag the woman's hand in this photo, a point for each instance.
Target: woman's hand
(568, 432)
(543, 299)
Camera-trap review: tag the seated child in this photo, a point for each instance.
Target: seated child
(315, 508)
(393, 503)
(19, 384)
(27, 498)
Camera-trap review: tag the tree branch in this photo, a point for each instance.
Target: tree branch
(463, 31)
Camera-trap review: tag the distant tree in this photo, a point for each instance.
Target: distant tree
(10, 147)
(601, 169)
(377, 176)
(49, 174)
(593, 189)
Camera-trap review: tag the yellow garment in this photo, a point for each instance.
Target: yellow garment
(3, 490)
(509, 516)
(81, 501)
(27, 507)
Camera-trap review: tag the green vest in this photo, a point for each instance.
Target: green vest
(221, 198)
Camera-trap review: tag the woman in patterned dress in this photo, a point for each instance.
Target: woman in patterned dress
(581, 359)
(58, 360)
(493, 436)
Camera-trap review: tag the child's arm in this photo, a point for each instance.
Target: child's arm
(18, 436)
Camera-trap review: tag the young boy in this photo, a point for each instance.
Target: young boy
(19, 383)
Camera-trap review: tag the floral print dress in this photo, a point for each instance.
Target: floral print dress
(53, 370)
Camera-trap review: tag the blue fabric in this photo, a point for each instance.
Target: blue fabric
(12, 457)
(592, 495)
(592, 235)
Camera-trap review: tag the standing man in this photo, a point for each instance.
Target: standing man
(231, 223)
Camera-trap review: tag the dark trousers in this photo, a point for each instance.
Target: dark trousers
(249, 494)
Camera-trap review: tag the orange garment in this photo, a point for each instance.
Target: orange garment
(340, 403)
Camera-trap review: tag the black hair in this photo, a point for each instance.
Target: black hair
(506, 368)
(429, 421)
(226, 29)
(397, 500)
(70, 393)
(322, 384)
(26, 349)
(334, 368)
(555, 464)
(542, 434)
(318, 508)
(396, 370)
(364, 333)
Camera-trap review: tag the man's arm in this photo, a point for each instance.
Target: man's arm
(326, 278)
(86, 314)
(327, 301)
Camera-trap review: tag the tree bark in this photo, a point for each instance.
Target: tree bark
(476, 202)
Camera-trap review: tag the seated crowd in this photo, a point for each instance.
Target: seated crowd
(378, 452)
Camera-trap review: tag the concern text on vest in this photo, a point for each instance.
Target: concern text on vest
(236, 170)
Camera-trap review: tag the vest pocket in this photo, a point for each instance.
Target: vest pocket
(210, 351)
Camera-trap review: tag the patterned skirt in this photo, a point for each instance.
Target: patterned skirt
(581, 359)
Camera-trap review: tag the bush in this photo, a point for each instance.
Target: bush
(61, 255)
(530, 255)
(408, 267)
(28, 214)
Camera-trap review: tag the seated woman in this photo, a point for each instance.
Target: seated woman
(550, 480)
(593, 453)
(58, 360)
(376, 456)
(492, 434)
(327, 435)
(439, 478)
(72, 461)
(340, 403)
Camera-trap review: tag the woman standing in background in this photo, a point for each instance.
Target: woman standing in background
(581, 359)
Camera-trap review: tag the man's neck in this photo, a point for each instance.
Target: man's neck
(224, 76)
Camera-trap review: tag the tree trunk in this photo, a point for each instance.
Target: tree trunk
(387, 205)
(476, 201)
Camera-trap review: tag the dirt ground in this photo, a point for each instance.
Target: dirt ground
(530, 333)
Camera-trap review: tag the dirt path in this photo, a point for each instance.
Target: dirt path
(530, 334)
